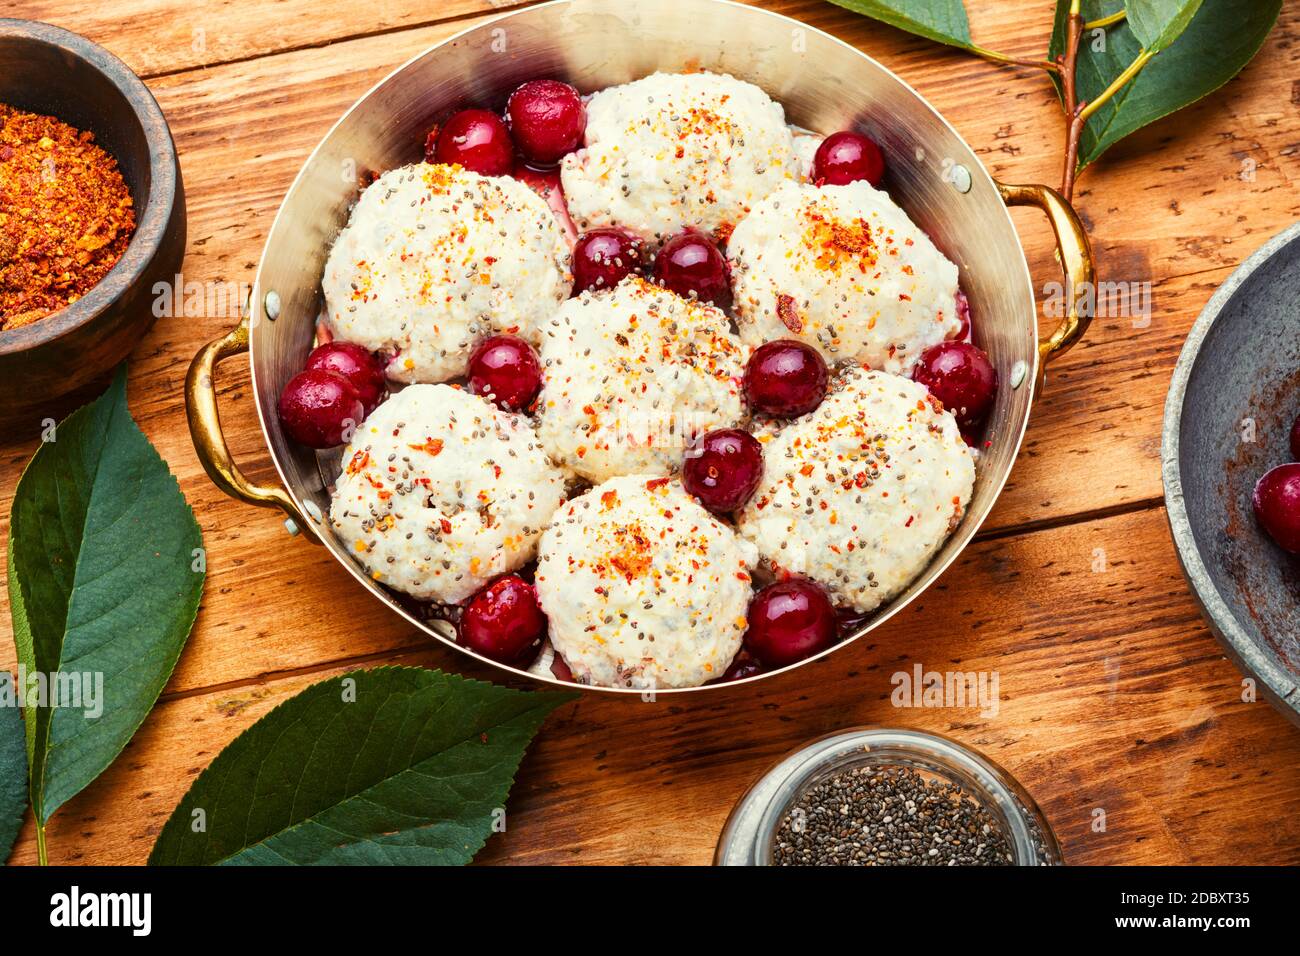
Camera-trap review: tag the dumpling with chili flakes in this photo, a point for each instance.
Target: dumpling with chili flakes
(435, 258)
(642, 587)
(860, 494)
(675, 151)
(843, 269)
(632, 376)
(441, 491)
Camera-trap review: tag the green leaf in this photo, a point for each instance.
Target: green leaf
(397, 765)
(941, 20)
(1157, 23)
(103, 591)
(13, 766)
(1218, 41)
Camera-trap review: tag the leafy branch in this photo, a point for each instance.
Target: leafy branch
(1115, 71)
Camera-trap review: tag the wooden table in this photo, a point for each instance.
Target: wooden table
(1115, 697)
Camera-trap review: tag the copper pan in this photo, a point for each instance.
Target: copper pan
(823, 83)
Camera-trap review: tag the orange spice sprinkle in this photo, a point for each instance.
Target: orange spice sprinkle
(432, 445)
(66, 215)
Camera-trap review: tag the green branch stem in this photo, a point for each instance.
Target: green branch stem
(1069, 61)
(995, 57)
(1078, 112)
(1103, 22)
(1132, 70)
(42, 856)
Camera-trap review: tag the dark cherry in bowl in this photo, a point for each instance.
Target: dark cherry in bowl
(69, 355)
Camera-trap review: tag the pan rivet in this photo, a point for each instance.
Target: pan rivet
(313, 511)
(1018, 372)
(959, 176)
(272, 305)
(291, 526)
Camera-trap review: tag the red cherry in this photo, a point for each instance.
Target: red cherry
(851, 620)
(505, 368)
(475, 139)
(1277, 505)
(742, 666)
(786, 378)
(320, 409)
(963, 316)
(547, 119)
(789, 621)
(355, 364)
(846, 157)
(560, 668)
(723, 469)
(690, 265)
(546, 183)
(1295, 439)
(961, 376)
(603, 258)
(503, 622)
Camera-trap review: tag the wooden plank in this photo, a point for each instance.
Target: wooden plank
(1112, 696)
(154, 37)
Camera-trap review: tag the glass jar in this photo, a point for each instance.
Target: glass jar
(750, 831)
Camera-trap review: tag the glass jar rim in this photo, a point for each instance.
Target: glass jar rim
(748, 833)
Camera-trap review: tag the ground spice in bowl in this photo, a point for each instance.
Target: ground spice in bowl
(66, 215)
(888, 816)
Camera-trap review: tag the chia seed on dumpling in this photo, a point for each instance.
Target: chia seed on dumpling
(631, 376)
(441, 491)
(673, 151)
(643, 587)
(434, 258)
(843, 269)
(860, 494)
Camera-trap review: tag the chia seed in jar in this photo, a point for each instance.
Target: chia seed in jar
(888, 816)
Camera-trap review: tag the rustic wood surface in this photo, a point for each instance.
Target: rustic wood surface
(1114, 696)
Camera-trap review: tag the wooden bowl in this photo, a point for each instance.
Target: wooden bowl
(44, 69)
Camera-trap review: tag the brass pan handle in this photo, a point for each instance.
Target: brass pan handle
(1076, 259)
(210, 442)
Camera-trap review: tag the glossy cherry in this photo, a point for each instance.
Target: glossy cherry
(602, 258)
(786, 378)
(547, 120)
(963, 316)
(723, 469)
(560, 669)
(691, 265)
(1277, 505)
(320, 409)
(504, 622)
(1295, 439)
(356, 365)
(505, 368)
(475, 139)
(846, 157)
(961, 376)
(742, 666)
(546, 183)
(789, 621)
